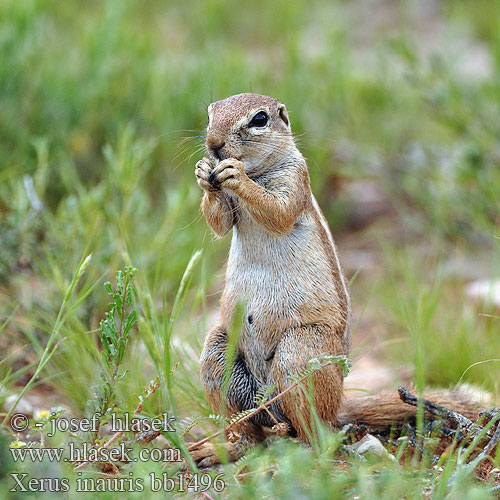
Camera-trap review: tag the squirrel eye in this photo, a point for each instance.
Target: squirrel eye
(259, 120)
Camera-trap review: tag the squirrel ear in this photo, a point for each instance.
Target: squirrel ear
(283, 114)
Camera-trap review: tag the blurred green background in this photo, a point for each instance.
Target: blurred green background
(394, 104)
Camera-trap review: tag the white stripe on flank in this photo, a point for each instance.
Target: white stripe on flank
(330, 238)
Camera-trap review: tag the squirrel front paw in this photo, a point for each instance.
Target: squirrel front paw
(203, 170)
(228, 174)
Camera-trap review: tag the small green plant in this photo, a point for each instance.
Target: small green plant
(119, 320)
(115, 331)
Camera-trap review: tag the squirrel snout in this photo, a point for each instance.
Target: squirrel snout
(215, 145)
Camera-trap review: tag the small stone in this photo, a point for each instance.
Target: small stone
(371, 445)
(487, 291)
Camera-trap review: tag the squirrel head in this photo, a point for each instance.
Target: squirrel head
(249, 127)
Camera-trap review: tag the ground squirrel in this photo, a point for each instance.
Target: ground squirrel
(283, 265)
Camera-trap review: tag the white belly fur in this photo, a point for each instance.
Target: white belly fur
(277, 278)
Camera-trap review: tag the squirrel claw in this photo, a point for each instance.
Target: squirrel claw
(213, 181)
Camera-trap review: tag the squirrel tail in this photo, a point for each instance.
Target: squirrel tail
(381, 412)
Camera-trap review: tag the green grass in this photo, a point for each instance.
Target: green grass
(103, 106)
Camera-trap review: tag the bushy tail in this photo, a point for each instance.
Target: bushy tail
(384, 411)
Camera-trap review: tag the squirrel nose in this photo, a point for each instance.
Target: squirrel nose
(215, 145)
(214, 141)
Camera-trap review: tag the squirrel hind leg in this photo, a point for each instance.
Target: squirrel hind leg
(296, 347)
(241, 392)
(243, 385)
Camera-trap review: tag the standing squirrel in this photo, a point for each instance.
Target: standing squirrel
(283, 265)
